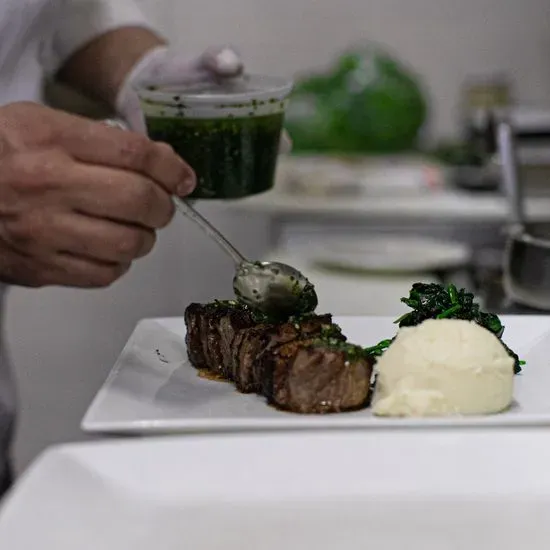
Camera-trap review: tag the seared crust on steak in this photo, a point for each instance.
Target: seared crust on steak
(230, 323)
(193, 338)
(254, 341)
(211, 330)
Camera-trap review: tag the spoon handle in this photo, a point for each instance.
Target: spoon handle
(188, 211)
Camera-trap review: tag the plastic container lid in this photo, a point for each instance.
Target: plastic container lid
(245, 91)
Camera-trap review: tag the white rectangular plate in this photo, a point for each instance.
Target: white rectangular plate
(389, 490)
(154, 389)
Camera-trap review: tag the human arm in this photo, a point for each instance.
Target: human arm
(116, 49)
(114, 54)
(94, 44)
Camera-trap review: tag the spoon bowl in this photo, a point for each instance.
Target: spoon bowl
(274, 288)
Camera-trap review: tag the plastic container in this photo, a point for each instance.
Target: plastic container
(228, 133)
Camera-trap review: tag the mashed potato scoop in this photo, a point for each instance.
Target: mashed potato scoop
(444, 367)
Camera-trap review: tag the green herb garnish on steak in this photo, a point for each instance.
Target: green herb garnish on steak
(258, 316)
(352, 352)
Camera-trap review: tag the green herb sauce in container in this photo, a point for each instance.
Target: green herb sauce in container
(229, 133)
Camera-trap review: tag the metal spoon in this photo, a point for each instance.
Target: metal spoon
(276, 289)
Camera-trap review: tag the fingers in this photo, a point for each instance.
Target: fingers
(39, 235)
(99, 240)
(74, 271)
(59, 269)
(96, 143)
(74, 250)
(53, 180)
(119, 195)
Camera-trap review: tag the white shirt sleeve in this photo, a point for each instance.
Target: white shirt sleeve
(80, 21)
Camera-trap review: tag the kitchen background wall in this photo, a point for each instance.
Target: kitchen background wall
(64, 341)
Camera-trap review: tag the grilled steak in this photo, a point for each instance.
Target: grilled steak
(316, 377)
(210, 332)
(258, 342)
(303, 365)
(251, 344)
(210, 339)
(232, 321)
(240, 335)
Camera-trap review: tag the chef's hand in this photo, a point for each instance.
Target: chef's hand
(165, 67)
(79, 201)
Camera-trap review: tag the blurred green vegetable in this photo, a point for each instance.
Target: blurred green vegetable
(367, 102)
